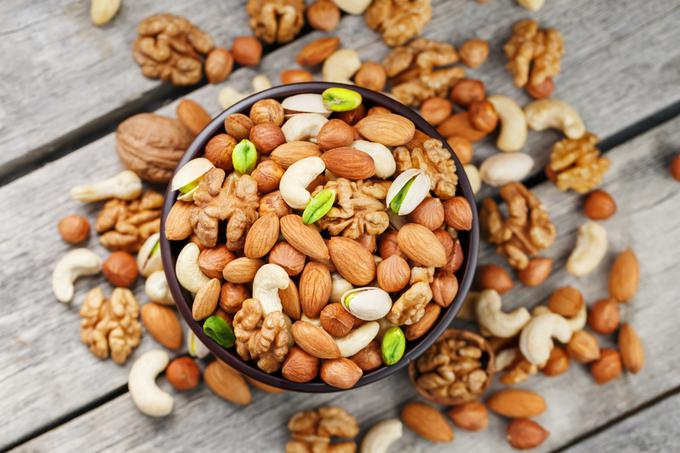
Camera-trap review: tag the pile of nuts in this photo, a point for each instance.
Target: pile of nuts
(341, 236)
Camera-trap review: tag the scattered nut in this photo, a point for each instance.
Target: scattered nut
(599, 205)
(604, 316)
(323, 15)
(120, 268)
(607, 367)
(246, 50)
(183, 374)
(474, 52)
(74, 229)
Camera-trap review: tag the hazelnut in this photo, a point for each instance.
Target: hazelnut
(458, 213)
(266, 137)
(335, 134)
(493, 276)
(74, 229)
(378, 110)
(300, 366)
(336, 320)
(238, 126)
(232, 296)
(542, 90)
(273, 202)
(388, 245)
(444, 288)
(537, 271)
(607, 367)
(583, 347)
(462, 148)
(369, 358)
(393, 273)
(566, 301)
(267, 174)
(474, 52)
(557, 363)
(429, 213)
(460, 125)
(246, 50)
(371, 75)
(218, 65)
(183, 373)
(446, 240)
(675, 167)
(295, 76)
(524, 434)
(352, 117)
(120, 268)
(286, 256)
(218, 151)
(212, 261)
(267, 111)
(323, 15)
(456, 259)
(471, 416)
(435, 110)
(368, 241)
(604, 316)
(467, 91)
(599, 205)
(483, 116)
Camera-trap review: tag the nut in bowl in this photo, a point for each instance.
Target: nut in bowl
(332, 260)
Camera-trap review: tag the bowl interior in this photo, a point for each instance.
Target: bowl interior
(170, 249)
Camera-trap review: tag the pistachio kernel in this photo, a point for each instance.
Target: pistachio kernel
(341, 99)
(393, 345)
(218, 329)
(244, 156)
(187, 188)
(395, 204)
(318, 206)
(156, 247)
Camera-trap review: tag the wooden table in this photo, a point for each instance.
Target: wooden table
(65, 86)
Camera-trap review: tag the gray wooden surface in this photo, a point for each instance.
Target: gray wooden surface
(622, 64)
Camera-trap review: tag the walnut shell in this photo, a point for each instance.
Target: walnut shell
(151, 145)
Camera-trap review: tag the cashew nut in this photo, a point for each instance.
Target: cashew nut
(357, 339)
(556, 114)
(502, 168)
(494, 321)
(591, 246)
(381, 435)
(513, 132)
(340, 66)
(576, 323)
(149, 256)
(385, 166)
(339, 286)
(473, 177)
(505, 358)
(188, 272)
(195, 347)
(229, 96)
(294, 182)
(303, 126)
(355, 7)
(74, 264)
(146, 395)
(268, 280)
(531, 5)
(535, 341)
(156, 288)
(125, 185)
(260, 83)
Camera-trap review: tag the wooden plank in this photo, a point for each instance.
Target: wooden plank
(645, 194)
(653, 429)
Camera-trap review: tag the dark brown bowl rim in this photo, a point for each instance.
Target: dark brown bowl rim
(231, 358)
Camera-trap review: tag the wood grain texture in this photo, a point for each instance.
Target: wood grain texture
(645, 193)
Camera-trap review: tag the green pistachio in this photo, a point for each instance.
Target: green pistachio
(341, 99)
(318, 206)
(188, 187)
(395, 204)
(218, 329)
(156, 247)
(393, 345)
(244, 156)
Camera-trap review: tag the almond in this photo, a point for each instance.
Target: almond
(263, 387)
(262, 236)
(624, 276)
(300, 366)
(421, 245)
(471, 416)
(335, 134)
(290, 300)
(429, 213)
(227, 383)
(212, 261)
(516, 403)
(315, 288)
(183, 373)
(393, 273)
(317, 51)
(607, 367)
(583, 347)
(303, 238)
(523, 434)
(178, 222)
(287, 154)
(493, 276)
(604, 316)
(427, 422)
(352, 260)
(537, 271)
(206, 300)
(350, 163)
(632, 351)
(314, 340)
(162, 324)
(341, 373)
(192, 115)
(369, 358)
(295, 76)
(566, 301)
(420, 328)
(599, 205)
(458, 213)
(557, 363)
(241, 270)
(386, 128)
(336, 320)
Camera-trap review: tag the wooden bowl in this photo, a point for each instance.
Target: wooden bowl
(487, 363)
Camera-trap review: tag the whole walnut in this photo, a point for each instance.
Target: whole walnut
(276, 20)
(151, 145)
